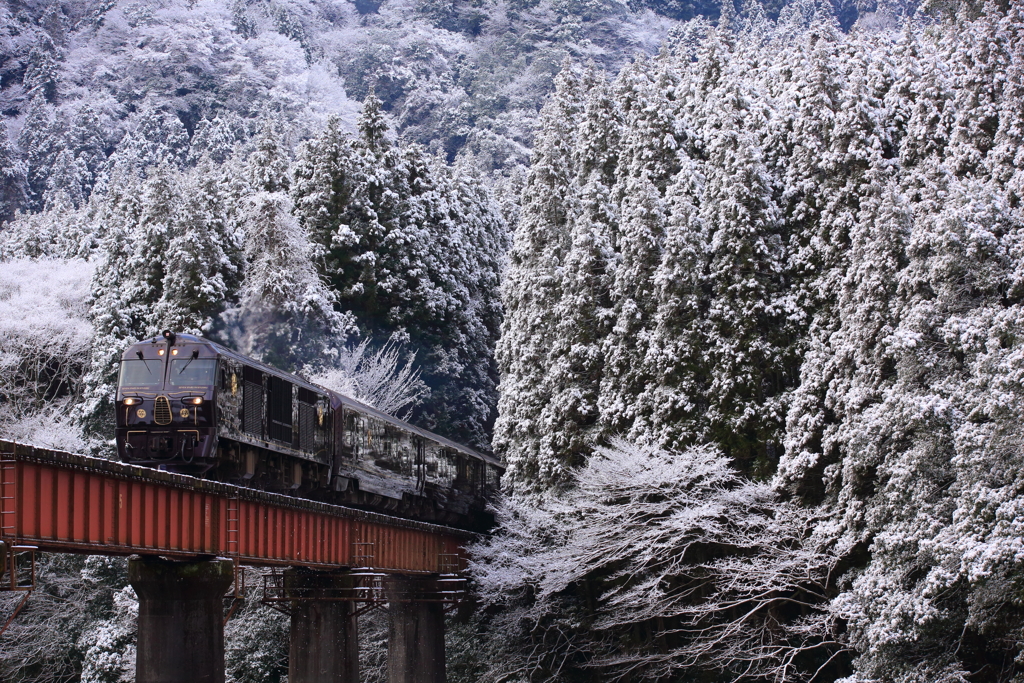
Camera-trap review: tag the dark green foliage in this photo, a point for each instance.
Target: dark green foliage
(413, 251)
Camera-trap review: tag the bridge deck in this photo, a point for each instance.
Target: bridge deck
(73, 503)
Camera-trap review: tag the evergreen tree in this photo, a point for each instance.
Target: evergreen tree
(13, 178)
(583, 315)
(649, 159)
(40, 78)
(67, 183)
(286, 316)
(39, 142)
(157, 138)
(405, 246)
(531, 289)
(118, 312)
(748, 335)
(482, 232)
(86, 139)
(671, 406)
(322, 185)
(214, 140)
(1005, 161)
(202, 261)
(267, 165)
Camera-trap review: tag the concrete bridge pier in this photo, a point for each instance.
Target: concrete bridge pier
(415, 630)
(324, 645)
(181, 619)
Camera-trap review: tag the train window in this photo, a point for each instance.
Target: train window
(431, 455)
(192, 372)
(141, 373)
(446, 466)
(354, 426)
(493, 477)
(279, 410)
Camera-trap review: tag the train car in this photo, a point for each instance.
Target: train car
(189, 405)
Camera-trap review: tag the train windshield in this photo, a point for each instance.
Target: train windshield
(192, 372)
(141, 373)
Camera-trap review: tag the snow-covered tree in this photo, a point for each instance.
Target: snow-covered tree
(378, 378)
(156, 139)
(651, 564)
(39, 142)
(45, 341)
(582, 315)
(286, 312)
(532, 288)
(413, 251)
(203, 261)
(40, 79)
(13, 178)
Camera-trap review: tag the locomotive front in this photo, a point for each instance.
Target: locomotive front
(166, 408)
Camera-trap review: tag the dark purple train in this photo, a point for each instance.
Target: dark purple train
(189, 405)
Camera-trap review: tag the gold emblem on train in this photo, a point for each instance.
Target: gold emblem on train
(183, 412)
(320, 414)
(141, 413)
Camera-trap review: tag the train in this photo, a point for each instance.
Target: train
(190, 405)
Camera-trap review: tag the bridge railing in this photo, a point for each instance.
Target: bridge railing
(64, 502)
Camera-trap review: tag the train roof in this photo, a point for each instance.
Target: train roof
(336, 398)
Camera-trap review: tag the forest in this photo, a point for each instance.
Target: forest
(735, 290)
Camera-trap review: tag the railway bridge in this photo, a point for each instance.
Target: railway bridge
(188, 539)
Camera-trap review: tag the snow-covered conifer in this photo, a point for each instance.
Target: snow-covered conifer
(155, 138)
(649, 159)
(321, 186)
(670, 406)
(267, 166)
(13, 178)
(214, 140)
(39, 142)
(286, 314)
(583, 315)
(41, 71)
(68, 181)
(202, 261)
(747, 332)
(532, 288)
(87, 140)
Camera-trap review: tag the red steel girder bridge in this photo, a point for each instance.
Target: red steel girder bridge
(175, 525)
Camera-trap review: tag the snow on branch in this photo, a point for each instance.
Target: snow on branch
(669, 561)
(377, 378)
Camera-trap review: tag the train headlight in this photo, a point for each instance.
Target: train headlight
(194, 400)
(159, 352)
(131, 401)
(174, 352)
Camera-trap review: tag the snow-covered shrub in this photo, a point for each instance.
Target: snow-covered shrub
(256, 639)
(45, 339)
(108, 645)
(373, 646)
(653, 563)
(79, 623)
(377, 378)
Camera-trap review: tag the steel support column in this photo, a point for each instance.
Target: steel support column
(181, 619)
(324, 636)
(415, 630)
